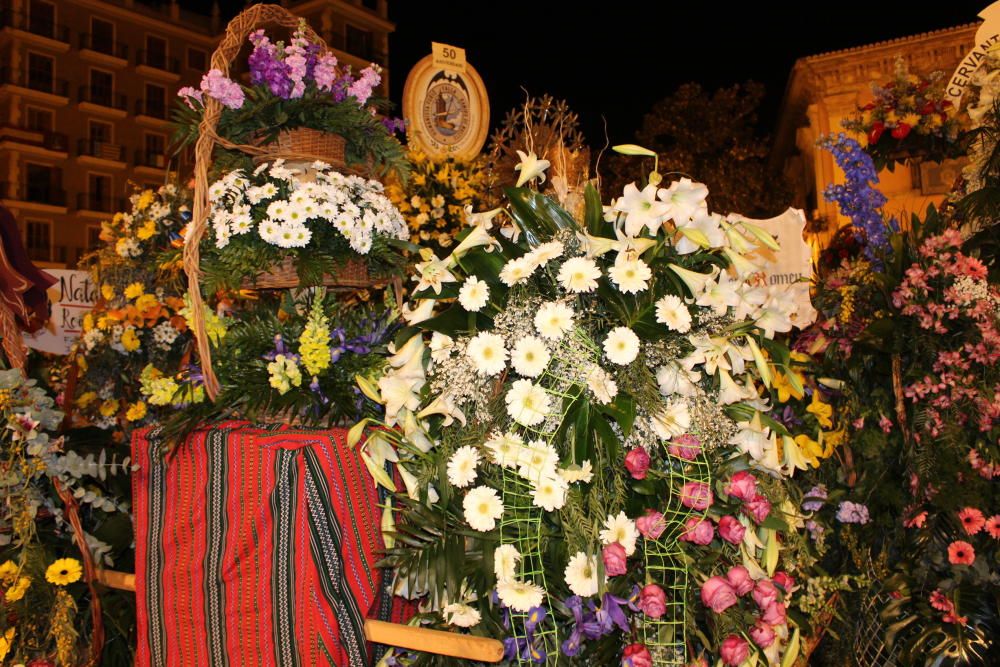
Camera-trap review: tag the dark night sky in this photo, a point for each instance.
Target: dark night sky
(615, 59)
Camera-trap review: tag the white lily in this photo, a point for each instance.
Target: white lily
(695, 281)
(415, 433)
(482, 219)
(729, 390)
(433, 272)
(753, 437)
(737, 239)
(477, 237)
(398, 394)
(759, 233)
(444, 405)
(684, 198)
(423, 311)
(531, 168)
(641, 209)
(701, 231)
(710, 351)
(793, 456)
(740, 264)
(719, 294)
(409, 359)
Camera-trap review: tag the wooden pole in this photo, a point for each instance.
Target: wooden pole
(467, 647)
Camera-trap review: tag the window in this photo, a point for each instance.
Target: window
(359, 42)
(99, 191)
(102, 35)
(38, 235)
(39, 120)
(156, 52)
(370, 4)
(101, 137)
(41, 184)
(197, 59)
(41, 72)
(93, 237)
(156, 101)
(102, 87)
(42, 18)
(155, 150)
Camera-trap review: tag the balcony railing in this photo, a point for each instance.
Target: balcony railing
(39, 193)
(53, 141)
(35, 25)
(88, 201)
(100, 149)
(103, 97)
(105, 46)
(35, 81)
(150, 159)
(145, 107)
(157, 61)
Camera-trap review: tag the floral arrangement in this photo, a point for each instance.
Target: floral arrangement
(317, 220)
(579, 413)
(294, 85)
(908, 117)
(436, 199)
(139, 319)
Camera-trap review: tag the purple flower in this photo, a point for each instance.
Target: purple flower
(817, 494)
(187, 93)
(220, 87)
(849, 512)
(393, 125)
(280, 348)
(315, 388)
(609, 614)
(325, 71)
(362, 88)
(585, 626)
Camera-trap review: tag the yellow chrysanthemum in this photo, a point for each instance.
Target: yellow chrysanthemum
(86, 399)
(17, 591)
(145, 199)
(88, 322)
(134, 291)
(6, 641)
(136, 411)
(109, 407)
(64, 571)
(8, 571)
(147, 230)
(103, 322)
(145, 302)
(130, 341)
(108, 291)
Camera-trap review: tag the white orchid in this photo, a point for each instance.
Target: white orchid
(531, 168)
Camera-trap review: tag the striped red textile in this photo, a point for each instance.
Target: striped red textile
(256, 546)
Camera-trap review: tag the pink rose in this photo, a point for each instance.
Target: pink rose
(636, 655)
(697, 531)
(765, 593)
(637, 463)
(762, 634)
(742, 485)
(614, 559)
(734, 650)
(718, 595)
(758, 508)
(685, 447)
(731, 530)
(739, 578)
(784, 580)
(653, 601)
(775, 614)
(651, 525)
(696, 495)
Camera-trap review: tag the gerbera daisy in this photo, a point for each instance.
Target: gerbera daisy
(961, 553)
(972, 520)
(482, 508)
(993, 526)
(505, 560)
(520, 595)
(581, 574)
(64, 571)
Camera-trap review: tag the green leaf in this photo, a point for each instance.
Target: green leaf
(792, 650)
(594, 212)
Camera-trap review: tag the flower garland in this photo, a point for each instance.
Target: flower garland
(634, 345)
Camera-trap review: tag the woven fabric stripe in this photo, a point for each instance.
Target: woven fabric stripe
(214, 588)
(283, 578)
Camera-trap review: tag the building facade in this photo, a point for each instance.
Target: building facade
(825, 89)
(87, 90)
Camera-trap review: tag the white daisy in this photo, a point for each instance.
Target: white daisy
(541, 255)
(527, 403)
(579, 275)
(441, 345)
(505, 448)
(622, 530)
(520, 595)
(553, 320)
(621, 346)
(517, 270)
(462, 466)
(505, 560)
(601, 385)
(550, 493)
(475, 294)
(487, 352)
(672, 421)
(482, 507)
(581, 574)
(578, 473)
(537, 460)
(461, 615)
(630, 275)
(529, 356)
(278, 210)
(672, 311)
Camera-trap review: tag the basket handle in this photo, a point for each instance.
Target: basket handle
(236, 34)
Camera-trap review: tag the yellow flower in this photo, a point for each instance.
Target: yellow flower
(108, 291)
(129, 340)
(823, 411)
(145, 199)
(136, 411)
(17, 591)
(6, 641)
(145, 302)
(419, 179)
(109, 407)
(86, 399)
(147, 230)
(811, 450)
(134, 291)
(8, 571)
(784, 388)
(88, 322)
(103, 322)
(64, 571)
(911, 119)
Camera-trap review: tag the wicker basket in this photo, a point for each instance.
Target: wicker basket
(353, 274)
(306, 145)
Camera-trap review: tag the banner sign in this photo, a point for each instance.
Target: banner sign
(987, 37)
(72, 296)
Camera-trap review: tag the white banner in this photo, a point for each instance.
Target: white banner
(72, 296)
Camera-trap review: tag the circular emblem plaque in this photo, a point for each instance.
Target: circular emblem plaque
(446, 111)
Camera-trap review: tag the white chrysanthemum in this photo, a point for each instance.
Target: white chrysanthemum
(505, 448)
(461, 615)
(487, 353)
(550, 493)
(527, 403)
(630, 275)
(553, 320)
(582, 473)
(536, 460)
(529, 356)
(621, 346)
(475, 294)
(482, 507)
(441, 346)
(601, 385)
(672, 421)
(505, 560)
(622, 530)
(541, 255)
(462, 466)
(672, 311)
(520, 595)
(581, 574)
(579, 275)
(517, 270)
